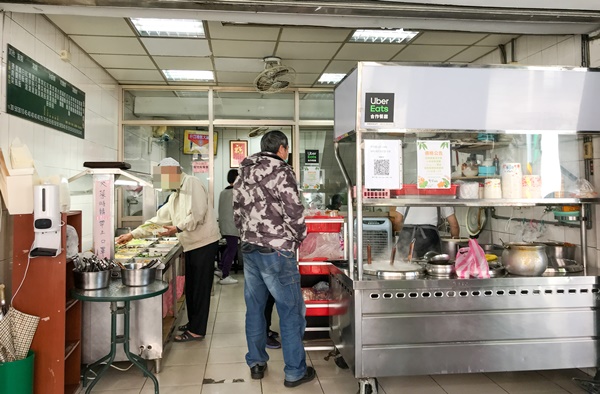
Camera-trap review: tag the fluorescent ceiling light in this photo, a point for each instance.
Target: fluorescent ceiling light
(189, 75)
(392, 36)
(331, 78)
(153, 27)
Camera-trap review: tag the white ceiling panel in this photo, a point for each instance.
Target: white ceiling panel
(307, 34)
(428, 53)
(340, 66)
(496, 39)
(176, 46)
(183, 63)
(471, 54)
(92, 25)
(242, 32)
(110, 45)
(307, 66)
(236, 77)
(237, 64)
(136, 75)
(301, 50)
(447, 38)
(124, 61)
(227, 48)
(306, 79)
(368, 52)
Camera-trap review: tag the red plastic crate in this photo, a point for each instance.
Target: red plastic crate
(411, 189)
(373, 193)
(323, 227)
(316, 269)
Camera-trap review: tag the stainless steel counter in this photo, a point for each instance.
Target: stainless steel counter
(146, 325)
(440, 326)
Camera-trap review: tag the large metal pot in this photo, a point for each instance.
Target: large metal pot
(560, 250)
(526, 259)
(450, 246)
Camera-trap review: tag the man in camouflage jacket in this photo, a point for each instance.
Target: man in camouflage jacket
(268, 211)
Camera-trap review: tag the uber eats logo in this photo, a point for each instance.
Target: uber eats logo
(379, 107)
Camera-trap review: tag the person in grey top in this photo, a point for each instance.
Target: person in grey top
(228, 230)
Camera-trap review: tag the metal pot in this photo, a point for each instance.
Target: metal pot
(560, 250)
(526, 259)
(450, 246)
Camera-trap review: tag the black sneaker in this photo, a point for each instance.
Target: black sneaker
(308, 376)
(272, 334)
(273, 343)
(258, 371)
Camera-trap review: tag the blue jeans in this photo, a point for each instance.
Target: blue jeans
(267, 270)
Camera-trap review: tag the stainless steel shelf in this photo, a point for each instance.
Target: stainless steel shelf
(453, 201)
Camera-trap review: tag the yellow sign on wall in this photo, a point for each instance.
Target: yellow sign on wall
(195, 141)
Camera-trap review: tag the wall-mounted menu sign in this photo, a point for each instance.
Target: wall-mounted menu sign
(35, 93)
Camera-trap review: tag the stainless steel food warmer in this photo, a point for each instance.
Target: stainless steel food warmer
(394, 327)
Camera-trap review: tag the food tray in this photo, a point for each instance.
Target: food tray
(323, 227)
(411, 189)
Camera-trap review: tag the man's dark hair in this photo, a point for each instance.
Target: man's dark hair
(232, 175)
(271, 141)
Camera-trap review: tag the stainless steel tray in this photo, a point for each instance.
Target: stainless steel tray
(568, 269)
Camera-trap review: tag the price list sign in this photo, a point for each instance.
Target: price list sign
(35, 93)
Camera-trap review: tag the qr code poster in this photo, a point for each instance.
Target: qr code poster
(383, 164)
(433, 164)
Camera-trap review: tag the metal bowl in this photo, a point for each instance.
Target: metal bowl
(91, 280)
(135, 275)
(439, 270)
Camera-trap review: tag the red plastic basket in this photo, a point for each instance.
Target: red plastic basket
(323, 227)
(411, 189)
(317, 269)
(374, 193)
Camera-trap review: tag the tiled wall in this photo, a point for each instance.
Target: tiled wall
(55, 152)
(548, 51)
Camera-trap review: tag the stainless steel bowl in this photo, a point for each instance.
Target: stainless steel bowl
(439, 270)
(91, 280)
(136, 275)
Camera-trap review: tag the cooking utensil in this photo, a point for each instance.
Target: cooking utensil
(369, 260)
(440, 259)
(411, 248)
(525, 259)
(91, 280)
(439, 270)
(401, 270)
(430, 254)
(134, 275)
(393, 256)
(560, 250)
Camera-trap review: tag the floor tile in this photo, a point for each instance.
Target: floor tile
(233, 388)
(181, 375)
(475, 383)
(338, 385)
(410, 384)
(227, 355)
(187, 353)
(228, 340)
(233, 371)
(528, 382)
(149, 389)
(235, 327)
(114, 379)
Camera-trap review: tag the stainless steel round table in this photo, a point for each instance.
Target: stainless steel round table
(116, 293)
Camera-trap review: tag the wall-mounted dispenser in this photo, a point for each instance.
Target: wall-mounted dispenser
(46, 221)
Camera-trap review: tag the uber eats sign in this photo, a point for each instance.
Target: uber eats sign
(379, 107)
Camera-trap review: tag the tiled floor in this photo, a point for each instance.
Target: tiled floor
(216, 366)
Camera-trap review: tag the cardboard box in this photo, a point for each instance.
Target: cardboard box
(16, 187)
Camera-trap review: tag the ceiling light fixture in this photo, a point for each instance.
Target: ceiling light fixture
(189, 75)
(331, 78)
(395, 36)
(154, 27)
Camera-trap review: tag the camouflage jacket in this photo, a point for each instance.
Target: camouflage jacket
(266, 203)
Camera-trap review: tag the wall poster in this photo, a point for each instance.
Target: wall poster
(238, 150)
(433, 164)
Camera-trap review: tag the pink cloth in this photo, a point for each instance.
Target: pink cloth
(167, 299)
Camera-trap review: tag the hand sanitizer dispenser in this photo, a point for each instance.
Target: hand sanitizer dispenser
(46, 221)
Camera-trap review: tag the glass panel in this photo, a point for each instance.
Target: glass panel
(146, 146)
(165, 104)
(330, 179)
(254, 105)
(316, 106)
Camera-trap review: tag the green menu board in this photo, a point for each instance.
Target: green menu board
(35, 93)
